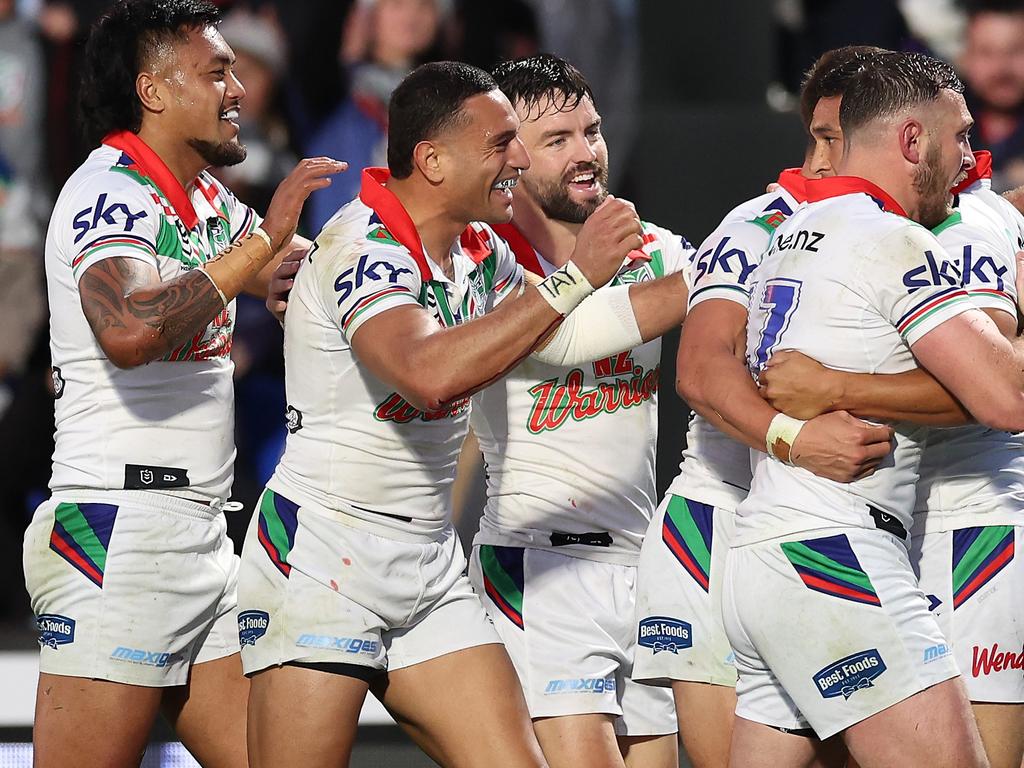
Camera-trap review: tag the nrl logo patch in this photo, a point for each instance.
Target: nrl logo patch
(847, 676)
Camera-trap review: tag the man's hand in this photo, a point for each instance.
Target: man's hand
(839, 447)
(282, 216)
(281, 283)
(798, 385)
(606, 238)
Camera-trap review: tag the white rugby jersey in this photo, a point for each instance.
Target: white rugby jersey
(570, 451)
(974, 475)
(167, 426)
(852, 283)
(355, 447)
(715, 468)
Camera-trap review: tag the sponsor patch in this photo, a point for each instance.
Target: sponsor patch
(293, 419)
(663, 633)
(849, 675)
(985, 661)
(252, 625)
(139, 656)
(55, 630)
(58, 382)
(936, 652)
(344, 644)
(139, 477)
(581, 685)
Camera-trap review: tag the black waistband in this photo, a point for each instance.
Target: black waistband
(595, 539)
(886, 522)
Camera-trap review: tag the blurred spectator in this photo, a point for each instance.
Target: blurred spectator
(383, 41)
(261, 56)
(485, 34)
(993, 68)
(21, 94)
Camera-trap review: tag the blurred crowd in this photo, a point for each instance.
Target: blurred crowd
(318, 75)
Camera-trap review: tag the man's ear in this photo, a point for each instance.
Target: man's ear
(911, 133)
(151, 92)
(427, 158)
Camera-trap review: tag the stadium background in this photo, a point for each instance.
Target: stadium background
(700, 115)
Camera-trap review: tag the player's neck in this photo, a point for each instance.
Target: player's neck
(435, 226)
(890, 176)
(553, 239)
(180, 159)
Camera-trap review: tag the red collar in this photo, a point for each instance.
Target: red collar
(982, 170)
(834, 186)
(527, 257)
(148, 163)
(793, 181)
(397, 221)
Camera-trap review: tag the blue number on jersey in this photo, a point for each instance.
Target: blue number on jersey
(781, 297)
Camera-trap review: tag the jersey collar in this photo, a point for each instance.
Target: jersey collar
(397, 221)
(835, 186)
(982, 170)
(793, 181)
(529, 258)
(148, 163)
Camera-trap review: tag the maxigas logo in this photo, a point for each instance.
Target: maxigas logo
(581, 685)
(849, 675)
(55, 630)
(554, 403)
(396, 409)
(661, 633)
(252, 625)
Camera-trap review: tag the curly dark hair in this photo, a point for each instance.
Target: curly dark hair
(120, 44)
(543, 81)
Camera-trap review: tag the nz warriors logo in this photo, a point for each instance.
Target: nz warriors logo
(554, 402)
(396, 409)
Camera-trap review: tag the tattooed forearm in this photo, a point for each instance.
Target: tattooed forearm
(137, 319)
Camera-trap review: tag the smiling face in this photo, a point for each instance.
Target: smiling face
(482, 159)
(203, 95)
(946, 157)
(568, 175)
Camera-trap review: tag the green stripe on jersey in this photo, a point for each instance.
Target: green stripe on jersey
(800, 554)
(679, 511)
(989, 538)
(499, 578)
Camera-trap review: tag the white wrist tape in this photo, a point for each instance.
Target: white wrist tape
(602, 325)
(565, 288)
(781, 435)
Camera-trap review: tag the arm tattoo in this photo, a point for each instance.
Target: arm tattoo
(118, 296)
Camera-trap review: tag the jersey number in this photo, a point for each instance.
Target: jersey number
(779, 301)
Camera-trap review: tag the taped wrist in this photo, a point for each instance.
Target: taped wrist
(782, 433)
(565, 288)
(603, 325)
(233, 267)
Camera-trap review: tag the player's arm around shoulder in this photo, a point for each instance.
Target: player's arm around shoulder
(430, 364)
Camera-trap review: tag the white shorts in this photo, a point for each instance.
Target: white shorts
(568, 624)
(974, 579)
(315, 590)
(829, 630)
(680, 634)
(131, 586)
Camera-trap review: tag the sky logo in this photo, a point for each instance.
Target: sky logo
(55, 630)
(847, 676)
(252, 625)
(662, 633)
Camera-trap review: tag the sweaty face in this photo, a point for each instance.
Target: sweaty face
(947, 156)
(482, 158)
(568, 176)
(204, 96)
(827, 135)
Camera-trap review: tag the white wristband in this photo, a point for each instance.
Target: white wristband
(565, 288)
(781, 435)
(260, 232)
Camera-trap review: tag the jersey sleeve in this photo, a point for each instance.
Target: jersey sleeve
(912, 281)
(988, 275)
(360, 281)
(507, 279)
(674, 251)
(110, 215)
(724, 264)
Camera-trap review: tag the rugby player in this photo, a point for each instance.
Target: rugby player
(570, 449)
(869, 660)
(128, 565)
(352, 574)
(681, 561)
(970, 496)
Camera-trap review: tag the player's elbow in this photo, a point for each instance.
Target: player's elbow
(689, 385)
(127, 350)
(1003, 413)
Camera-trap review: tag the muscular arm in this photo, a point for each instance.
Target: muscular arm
(429, 365)
(136, 318)
(659, 305)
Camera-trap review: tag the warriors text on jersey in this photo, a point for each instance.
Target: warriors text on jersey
(355, 446)
(854, 287)
(570, 450)
(166, 426)
(716, 468)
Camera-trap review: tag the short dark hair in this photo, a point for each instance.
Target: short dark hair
(891, 83)
(120, 44)
(427, 102)
(543, 81)
(831, 74)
